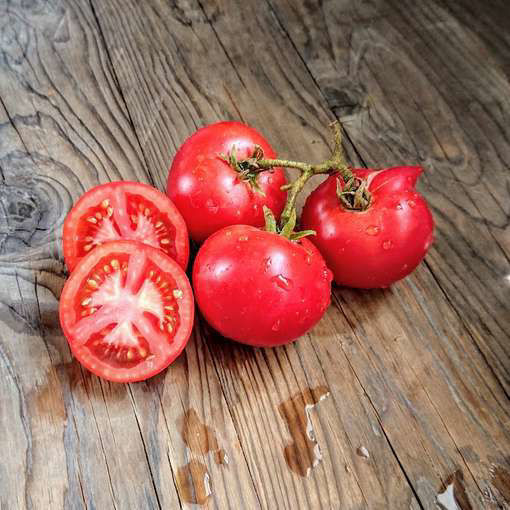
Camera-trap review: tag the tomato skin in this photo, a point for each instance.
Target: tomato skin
(259, 288)
(77, 229)
(209, 193)
(162, 347)
(381, 245)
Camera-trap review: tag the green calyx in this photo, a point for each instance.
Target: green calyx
(287, 229)
(246, 168)
(354, 194)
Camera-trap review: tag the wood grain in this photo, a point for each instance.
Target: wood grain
(77, 441)
(414, 379)
(414, 83)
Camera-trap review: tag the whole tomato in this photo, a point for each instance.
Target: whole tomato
(260, 288)
(378, 246)
(209, 193)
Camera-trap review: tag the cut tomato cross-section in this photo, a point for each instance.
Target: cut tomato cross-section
(127, 311)
(124, 210)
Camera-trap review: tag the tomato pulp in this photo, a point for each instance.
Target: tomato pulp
(209, 193)
(258, 287)
(127, 311)
(124, 210)
(378, 246)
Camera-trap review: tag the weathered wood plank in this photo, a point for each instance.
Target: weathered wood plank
(75, 441)
(416, 83)
(434, 458)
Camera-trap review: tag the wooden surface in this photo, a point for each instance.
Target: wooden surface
(405, 390)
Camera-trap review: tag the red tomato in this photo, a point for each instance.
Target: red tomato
(259, 288)
(124, 210)
(381, 245)
(209, 193)
(127, 311)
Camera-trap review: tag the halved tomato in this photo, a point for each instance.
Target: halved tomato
(124, 210)
(127, 311)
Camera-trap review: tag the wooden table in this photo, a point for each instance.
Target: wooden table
(403, 392)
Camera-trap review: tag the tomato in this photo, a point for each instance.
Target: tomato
(259, 288)
(209, 193)
(127, 311)
(124, 210)
(380, 245)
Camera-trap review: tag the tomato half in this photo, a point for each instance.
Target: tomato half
(127, 311)
(124, 210)
(259, 288)
(209, 193)
(378, 246)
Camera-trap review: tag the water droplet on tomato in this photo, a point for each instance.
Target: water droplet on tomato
(267, 263)
(212, 205)
(387, 245)
(405, 266)
(243, 238)
(327, 274)
(411, 203)
(276, 325)
(238, 213)
(399, 207)
(372, 230)
(256, 208)
(282, 282)
(228, 233)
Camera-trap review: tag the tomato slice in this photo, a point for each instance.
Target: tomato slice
(127, 311)
(124, 210)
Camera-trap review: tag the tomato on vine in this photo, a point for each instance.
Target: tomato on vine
(213, 190)
(259, 287)
(380, 244)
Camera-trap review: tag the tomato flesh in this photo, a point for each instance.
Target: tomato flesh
(127, 311)
(381, 245)
(258, 287)
(124, 211)
(209, 193)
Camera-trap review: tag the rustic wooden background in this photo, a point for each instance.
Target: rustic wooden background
(404, 392)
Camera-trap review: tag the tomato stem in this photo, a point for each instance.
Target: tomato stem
(352, 193)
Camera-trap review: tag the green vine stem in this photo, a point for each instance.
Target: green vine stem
(353, 193)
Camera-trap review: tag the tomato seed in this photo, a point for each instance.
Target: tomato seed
(86, 301)
(115, 264)
(92, 283)
(99, 216)
(165, 241)
(159, 224)
(105, 203)
(92, 220)
(109, 211)
(177, 293)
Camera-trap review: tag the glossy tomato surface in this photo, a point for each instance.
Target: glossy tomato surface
(126, 311)
(209, 193)
(381, 245)
(124, 210)
(259, 288)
